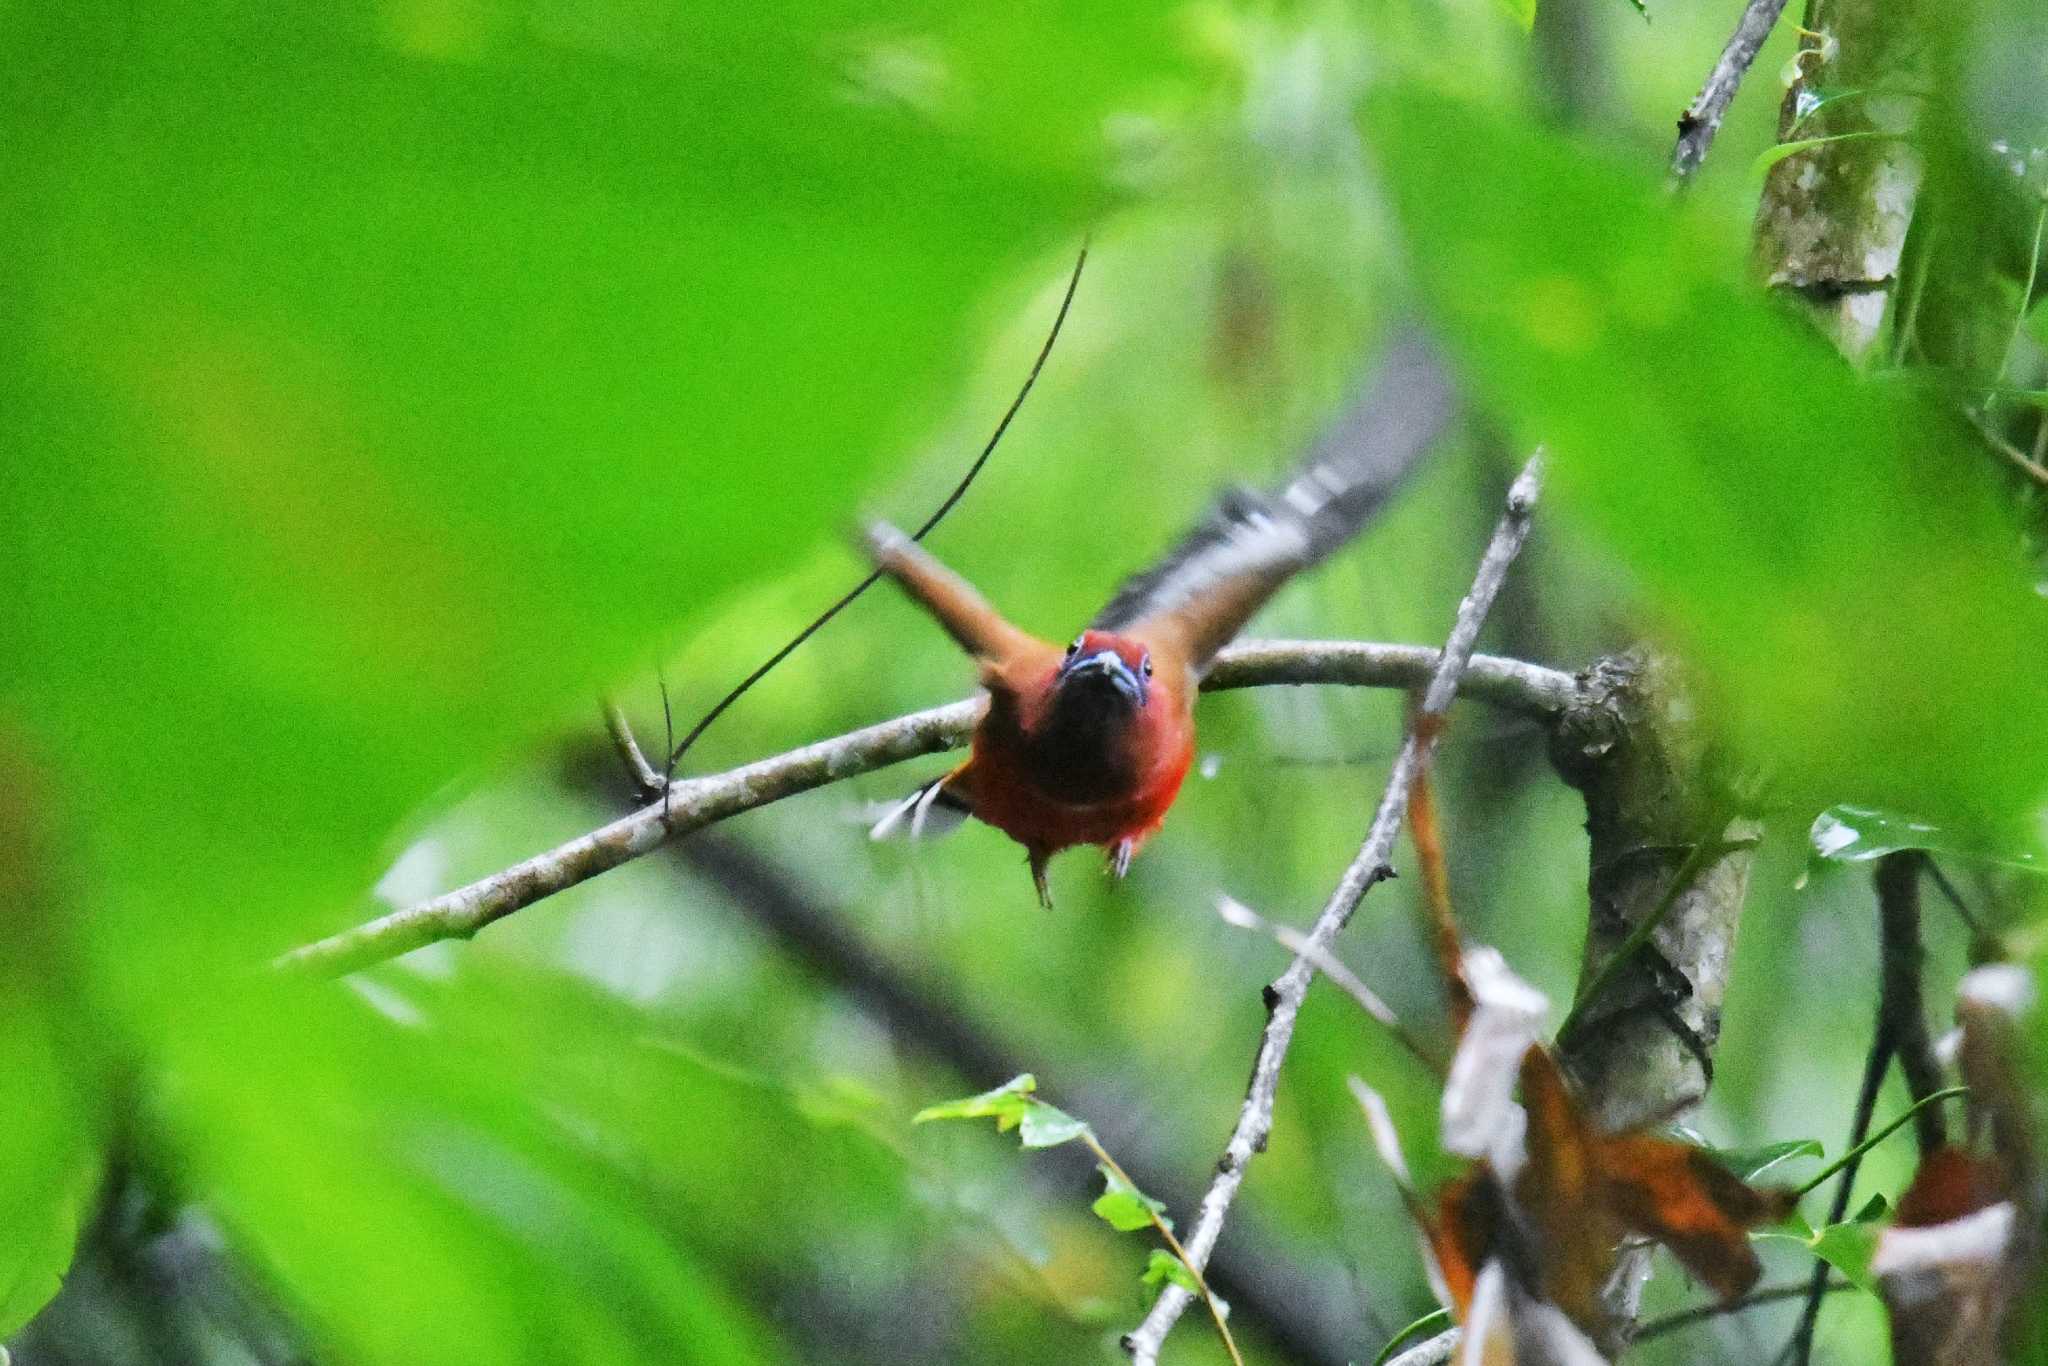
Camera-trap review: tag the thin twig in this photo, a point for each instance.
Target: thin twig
(1714, 1309)
(692, 803)
(1702, 119)
(1954, 898)
(1901, 1032)
(1800, 1348)
(1893, 1125)
(677, 751)
(1284, 996)
(1235, 912)
(1165, 1231)
(2014, 456)
(1901, 958)
(2019, 322)
(646, 777)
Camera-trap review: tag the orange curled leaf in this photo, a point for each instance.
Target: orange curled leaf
(1578, 1194)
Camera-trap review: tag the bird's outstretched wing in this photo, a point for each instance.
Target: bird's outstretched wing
(1201, 593)
(966, 616)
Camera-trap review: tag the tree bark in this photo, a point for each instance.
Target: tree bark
(1831, 225)
(1666, 844)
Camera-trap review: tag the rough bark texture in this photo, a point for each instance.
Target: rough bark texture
(1633, 746)
(1831, 225)
(1639, 754)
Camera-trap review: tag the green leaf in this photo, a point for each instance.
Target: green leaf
(1766, 504)
(50, 1067)
(1523, 12)
(1750, 1163)
(332, 1136)
(1047, 1126)
(1857, 834)
(1163, 1267)
(1123, 1206)
(1817, 98)
(1792, 1228)
(1012, 1105)
(44, 1196)
(383, 380)
(1006, 1104)
(1778, 152)
(1435, 1321)
(1848, 1247)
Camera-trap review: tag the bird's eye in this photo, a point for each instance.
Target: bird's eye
(1148, 666)
(1075, 648)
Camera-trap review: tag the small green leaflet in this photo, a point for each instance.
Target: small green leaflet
(1773, 155)
(1123, 1206)
(1859, 834)
(1436, 1320)
(1750, 1163)
(1005, 1105)
(1847, 1246)
(1162, 1266)
(1048, 1126)
(1012, 1106)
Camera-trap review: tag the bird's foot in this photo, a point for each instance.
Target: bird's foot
(1038, 862)
(1120, 857)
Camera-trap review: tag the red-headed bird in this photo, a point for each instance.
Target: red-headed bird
(1089, 744)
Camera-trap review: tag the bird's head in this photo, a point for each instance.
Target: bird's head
(1104, 666)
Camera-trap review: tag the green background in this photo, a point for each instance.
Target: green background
(384, 381)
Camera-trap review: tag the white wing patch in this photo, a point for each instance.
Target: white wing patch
(927, 813)
(1254, 544)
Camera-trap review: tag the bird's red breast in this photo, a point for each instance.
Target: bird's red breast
(1051, 783)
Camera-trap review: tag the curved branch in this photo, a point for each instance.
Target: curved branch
(694, 803)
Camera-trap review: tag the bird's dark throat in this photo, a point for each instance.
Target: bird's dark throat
(1080, 750)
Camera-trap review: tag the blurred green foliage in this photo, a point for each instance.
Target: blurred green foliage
(383, 379)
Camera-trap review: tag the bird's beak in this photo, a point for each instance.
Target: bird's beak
(1109, 667)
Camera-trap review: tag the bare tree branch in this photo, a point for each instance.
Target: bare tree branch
(1284, 996)
(1702, 118)
(1901, 959)
(1900, 1033)
(646, 777)
(1430, 1351)
(1668, 870)
(694, 803)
